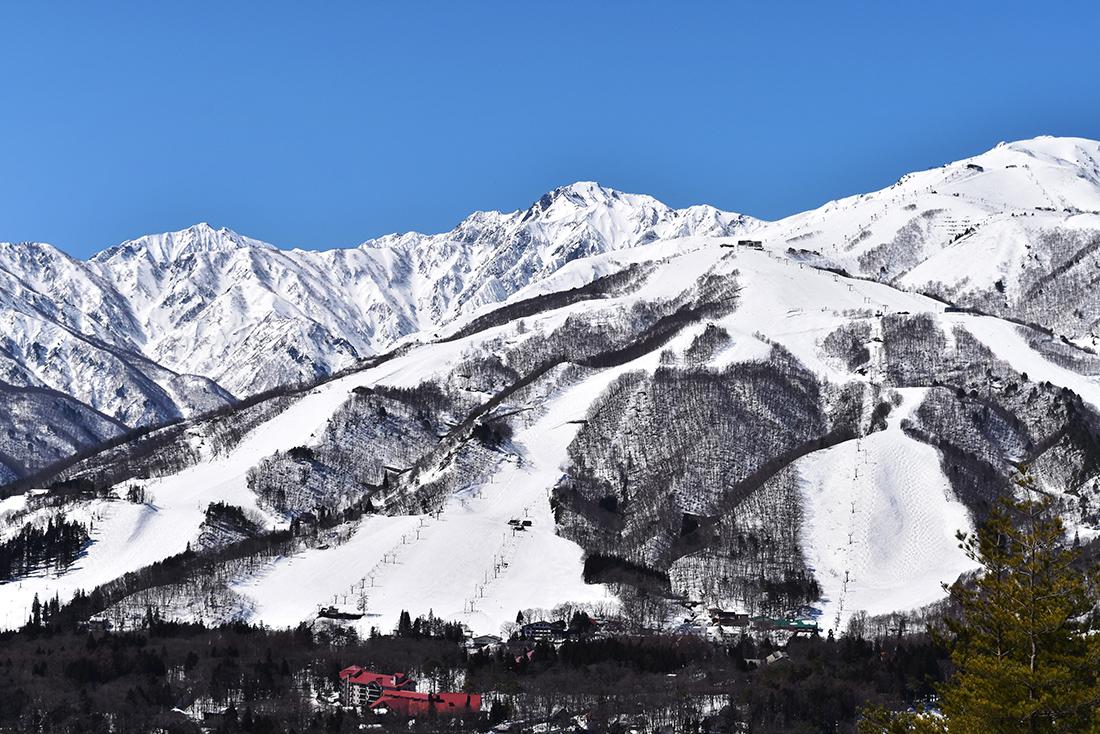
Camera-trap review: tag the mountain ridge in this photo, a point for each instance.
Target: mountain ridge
(168, 246)
(777, 416)
(201, 301)
(246, 317)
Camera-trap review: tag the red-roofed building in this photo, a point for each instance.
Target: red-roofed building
(398, 693)
(364, 688)
(411, 703)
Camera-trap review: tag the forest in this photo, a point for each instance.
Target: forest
(61, 676)
(35, 548)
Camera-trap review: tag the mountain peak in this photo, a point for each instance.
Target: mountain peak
(1046, 149)
(584, 195)
(172, 246)
(587, 191)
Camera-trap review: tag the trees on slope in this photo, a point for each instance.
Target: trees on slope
(1025, 648)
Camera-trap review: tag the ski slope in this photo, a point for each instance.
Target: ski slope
(127, 536)
(1003, 338)
(880, 517)
(880, 523)
(465, 564)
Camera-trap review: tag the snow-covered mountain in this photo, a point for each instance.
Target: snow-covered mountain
(175, 324)
(252, 317)
(767, 415)
(1014, 232)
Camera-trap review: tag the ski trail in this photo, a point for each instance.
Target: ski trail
(128, 536)
(880, 522)
(467, 563)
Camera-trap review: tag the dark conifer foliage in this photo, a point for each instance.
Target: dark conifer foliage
(1023, 648)
(1023, 639)
(226, 514)
(430, 627)
(57, 677)
(53, 547)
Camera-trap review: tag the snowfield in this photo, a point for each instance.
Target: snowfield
(128, 536)
(187, 314)
(880, 523)
(465, 564)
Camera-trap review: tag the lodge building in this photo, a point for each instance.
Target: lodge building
(397, 693)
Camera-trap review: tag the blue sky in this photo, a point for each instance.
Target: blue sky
(322, 125)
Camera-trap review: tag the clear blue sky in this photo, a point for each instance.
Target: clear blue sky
(319, 125)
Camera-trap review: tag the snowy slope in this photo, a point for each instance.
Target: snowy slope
(881, 524)
(128, 536)
(478, 571)
(251, 317)
(988, 231)
(177, 324)
(892, 398)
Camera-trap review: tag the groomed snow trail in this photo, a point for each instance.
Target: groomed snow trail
(880, 523)
(467, 564)
(1003, 338)
(128, 536)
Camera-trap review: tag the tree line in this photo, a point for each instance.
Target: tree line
(51, 548)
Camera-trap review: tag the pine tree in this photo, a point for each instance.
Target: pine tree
(404, 624)
(1025, 659)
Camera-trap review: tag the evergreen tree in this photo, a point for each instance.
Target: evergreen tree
(404, 625)
(1026, 660)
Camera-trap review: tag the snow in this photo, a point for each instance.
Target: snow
(216, 304)
(880, 516)
(797, 305)
(239, 312)
(452, 564)
(128, 536)
(880, 523)
(1004, 339)
(466, 564)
